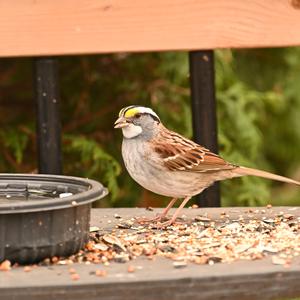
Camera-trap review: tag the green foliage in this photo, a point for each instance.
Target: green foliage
(93, 161)
(15, 141)
(258, 95)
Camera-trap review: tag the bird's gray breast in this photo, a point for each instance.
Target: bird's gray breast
(147, 170)
(136, 159)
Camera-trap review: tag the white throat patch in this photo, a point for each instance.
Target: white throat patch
(131, 131)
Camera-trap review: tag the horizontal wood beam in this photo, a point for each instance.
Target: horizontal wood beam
(47, 27)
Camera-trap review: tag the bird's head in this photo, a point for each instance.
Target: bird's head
(137, 120)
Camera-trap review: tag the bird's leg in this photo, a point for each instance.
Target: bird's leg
(166, 210)
(174, 217)
(159, 217)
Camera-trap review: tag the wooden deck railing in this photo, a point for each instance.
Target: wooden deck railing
(44, 28)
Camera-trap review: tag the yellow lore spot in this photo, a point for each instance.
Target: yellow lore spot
(130, 112)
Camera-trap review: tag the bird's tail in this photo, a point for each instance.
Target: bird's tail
(243, 171)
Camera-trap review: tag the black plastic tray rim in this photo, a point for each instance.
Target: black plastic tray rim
(95, 190)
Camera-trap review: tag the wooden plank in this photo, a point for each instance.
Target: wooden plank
(158, 279)
(47, 27)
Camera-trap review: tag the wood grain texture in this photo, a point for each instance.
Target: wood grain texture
(47, 27)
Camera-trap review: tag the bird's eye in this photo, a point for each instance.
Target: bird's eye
(138, 115)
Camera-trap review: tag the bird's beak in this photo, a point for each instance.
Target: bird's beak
(121, 123)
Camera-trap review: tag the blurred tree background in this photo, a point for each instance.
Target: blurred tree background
(258, 94)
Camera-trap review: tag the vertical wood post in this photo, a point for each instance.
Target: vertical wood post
(202, 80)
(48, 120)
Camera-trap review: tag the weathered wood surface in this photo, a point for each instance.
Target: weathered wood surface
(47, 27)
(157, 279)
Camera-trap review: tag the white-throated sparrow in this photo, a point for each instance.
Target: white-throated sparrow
(168, 164)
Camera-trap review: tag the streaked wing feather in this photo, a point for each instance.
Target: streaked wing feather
(181, 154)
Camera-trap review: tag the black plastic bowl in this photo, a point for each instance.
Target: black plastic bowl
(44, 215)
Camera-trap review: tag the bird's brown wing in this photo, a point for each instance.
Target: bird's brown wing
(181, 154)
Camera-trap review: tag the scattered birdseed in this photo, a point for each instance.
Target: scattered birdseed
(288, 216)
(27, 269)
(101, 246)
(5, 265)
(131, 269)
(72, 271)
(101, 273)
(202, 219)
(94, 228)
(202, 242)
(125, 225)
(54, 259)
(75, 276)
(110, 239)
(179, 264)
(199, 241)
